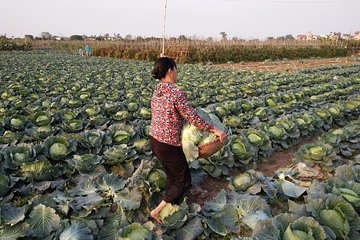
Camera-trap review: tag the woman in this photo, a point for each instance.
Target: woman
(170, 107)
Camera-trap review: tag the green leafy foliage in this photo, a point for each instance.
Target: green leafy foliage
(75, 159)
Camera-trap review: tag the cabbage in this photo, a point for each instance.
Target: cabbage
(120, 115)
(168, 210)
(296, 235)
(192, 137)
(142, 145)
(243, 181)
(58, 149)
(287, 226)
(121, 133)
(19, 154)
(135, 231)
(239, 149)
(254, 138)
(84, 95)
(337, 221)
(73, 125)
(145, 113)
(334, 111)
(277, 131)
(16, 122)
(133, 107)
(157, 179)
(121, 136)
(41, 118)
(90, 111)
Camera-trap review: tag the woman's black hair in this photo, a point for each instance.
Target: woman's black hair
(161, 66)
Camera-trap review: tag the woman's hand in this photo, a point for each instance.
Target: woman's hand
(221, 134)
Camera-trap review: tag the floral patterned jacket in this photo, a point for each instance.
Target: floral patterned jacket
(169, 109)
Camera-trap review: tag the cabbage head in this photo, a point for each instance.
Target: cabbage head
(304, 228)
(119, 154)
(336, 220)
(232, 121)
(42, 118)
(174, 216)
(58, 147)
(94, 139)
(335, 111)
(73, 125)
(192, 137)
(243, 150)
(157, 179)
(92, 110)
(145, 113)
(168, 210)
(133, 107)
(85, 163)
(135, 231)
(142, 145)
(16, 122)
(8, 137)
(243, 181)
(316, 154)
(43, 132)
(289, 227)
(337, 214)
(17, 155)
(121, 133)
(260, 140)
(120, 115)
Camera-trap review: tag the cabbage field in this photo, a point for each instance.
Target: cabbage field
(75, 161)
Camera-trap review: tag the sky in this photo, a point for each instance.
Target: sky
(246, 19)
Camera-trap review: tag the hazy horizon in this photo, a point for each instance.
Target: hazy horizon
(246, 19)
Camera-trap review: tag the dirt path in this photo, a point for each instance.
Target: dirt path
(291, 65)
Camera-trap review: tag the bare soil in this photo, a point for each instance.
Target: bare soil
(291, 65)
(281, 158)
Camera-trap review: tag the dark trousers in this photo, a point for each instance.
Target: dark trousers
(178, 177)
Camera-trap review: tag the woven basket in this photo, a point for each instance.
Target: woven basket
(208, 149)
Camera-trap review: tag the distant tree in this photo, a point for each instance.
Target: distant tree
(182, 38)
(289, 37)
(139, 39)
(286, 37)
(270, 38)
(117, 36)
(99, 38)
(28, 36)
(45, 35)
(128, 37)
(151, 39)
(224, 36)
(76, 37)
